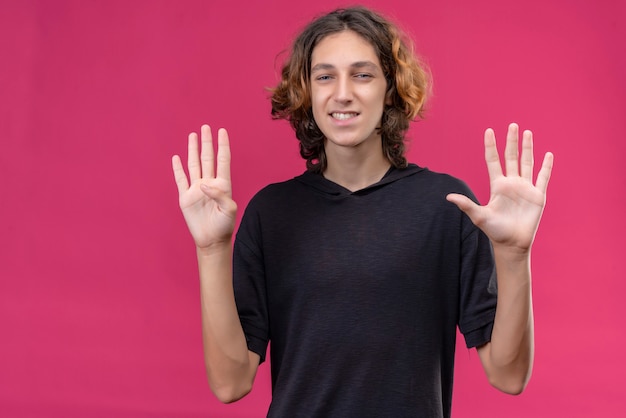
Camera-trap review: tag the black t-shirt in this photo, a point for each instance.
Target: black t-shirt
(360, 293)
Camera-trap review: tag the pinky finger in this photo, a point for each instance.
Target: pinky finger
(544, 174)
(179, 175)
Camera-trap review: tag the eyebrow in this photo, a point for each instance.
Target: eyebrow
(358, 64)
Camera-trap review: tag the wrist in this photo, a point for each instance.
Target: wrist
(512, 253)
(512, 264)
(215, 248)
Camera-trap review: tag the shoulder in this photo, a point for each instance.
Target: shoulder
(274, 200)
(426, 181)
(274, 192)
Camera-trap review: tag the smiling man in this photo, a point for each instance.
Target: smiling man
(360, 270)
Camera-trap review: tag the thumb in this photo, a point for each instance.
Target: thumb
(223, 200)
(464, 203)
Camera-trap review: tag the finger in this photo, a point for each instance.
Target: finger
(491, 155)
(511, 151)
(527, 160)
(469, 207)
(546, 171)
(193, 161)
(206, 154)
(223, 155)
(179, 175)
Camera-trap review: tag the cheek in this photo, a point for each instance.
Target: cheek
(317, 106)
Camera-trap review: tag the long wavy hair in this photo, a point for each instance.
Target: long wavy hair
(408, 83)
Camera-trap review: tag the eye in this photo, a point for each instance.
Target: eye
(363, 76)
(324, 77)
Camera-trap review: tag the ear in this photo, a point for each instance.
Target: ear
(389, 97)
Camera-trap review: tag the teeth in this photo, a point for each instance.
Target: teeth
(343, 116)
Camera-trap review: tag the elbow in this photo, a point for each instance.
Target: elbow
(511, 389)
(511, 386)
(230, 393)
(229, 388)
(510, 376)
(230, 384)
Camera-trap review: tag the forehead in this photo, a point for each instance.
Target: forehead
(343, 48)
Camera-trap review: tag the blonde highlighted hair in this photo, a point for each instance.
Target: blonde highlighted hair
(408, 82)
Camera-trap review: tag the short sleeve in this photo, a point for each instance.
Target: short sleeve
(249, 285)
(478, 288)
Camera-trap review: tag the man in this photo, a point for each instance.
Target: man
(359, 270)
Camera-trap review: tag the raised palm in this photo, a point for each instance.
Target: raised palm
(206, 197)
(512, 216)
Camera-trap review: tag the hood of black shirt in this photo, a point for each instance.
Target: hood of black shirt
(322, 184)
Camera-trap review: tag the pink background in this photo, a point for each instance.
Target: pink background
(99, 305)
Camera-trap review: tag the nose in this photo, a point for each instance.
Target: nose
(343, 90)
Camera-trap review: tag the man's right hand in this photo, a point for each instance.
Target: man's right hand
(206, 197)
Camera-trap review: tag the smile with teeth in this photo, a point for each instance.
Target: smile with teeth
(343, 116)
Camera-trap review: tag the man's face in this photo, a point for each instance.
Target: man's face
(348, 90)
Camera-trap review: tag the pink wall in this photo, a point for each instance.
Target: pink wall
(99, 306)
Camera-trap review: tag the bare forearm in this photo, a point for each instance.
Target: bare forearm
(508, 358)
(230, 366)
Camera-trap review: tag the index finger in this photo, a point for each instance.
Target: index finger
(491, 155)
(223, 155)
(179, 175)
(544, 173)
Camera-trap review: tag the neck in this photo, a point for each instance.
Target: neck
(354, 171)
